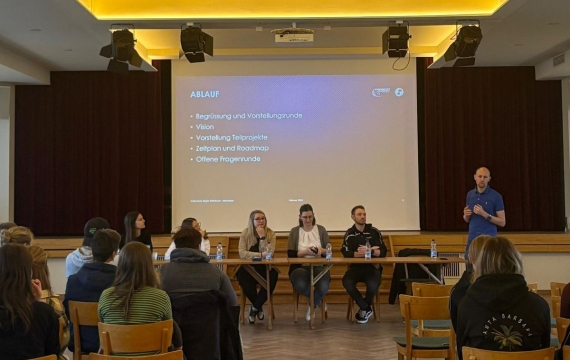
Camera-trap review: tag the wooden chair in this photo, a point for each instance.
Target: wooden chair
(478, 354)
(556, 288)
(351, 304)
(82, 314)
(561, 328)
(49, 357)
(135, 338)
(532, 287)
(566, 352)
(174, 355)
(424, 308)
(431, 328)
(296, 294)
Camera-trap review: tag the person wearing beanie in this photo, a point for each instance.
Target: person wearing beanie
(90, 281)
(84, 254)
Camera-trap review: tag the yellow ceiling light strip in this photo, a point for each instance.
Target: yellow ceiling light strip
(292, 9)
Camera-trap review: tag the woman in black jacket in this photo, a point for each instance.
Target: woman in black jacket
(498, 312)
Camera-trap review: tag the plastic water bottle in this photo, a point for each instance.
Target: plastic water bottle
(368, 253)
(329, 252)
(268, 251)
(433, 252)
(220, 252)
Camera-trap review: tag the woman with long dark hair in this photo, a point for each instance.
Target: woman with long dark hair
(308, 240)
(135, 230)
(253, 243)
(191, 223)
(28, 328)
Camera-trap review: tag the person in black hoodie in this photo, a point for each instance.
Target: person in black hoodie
(90, 281)
(460, 289)
(498, 312)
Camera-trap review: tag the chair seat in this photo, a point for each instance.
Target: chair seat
(424, 342)
(433, 324)
(553, 323)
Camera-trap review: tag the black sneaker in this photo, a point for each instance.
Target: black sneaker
(363, 315)
(252, 314)
(260, 314)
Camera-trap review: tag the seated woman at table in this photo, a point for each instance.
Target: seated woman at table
(191, 223)
(308, 240)
(252, 243)
(498, 312)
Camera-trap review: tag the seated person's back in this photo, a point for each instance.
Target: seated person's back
(190, 271)
(90, 281)
(28, 328)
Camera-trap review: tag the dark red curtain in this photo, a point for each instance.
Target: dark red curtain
(89, 144)
(501, 118)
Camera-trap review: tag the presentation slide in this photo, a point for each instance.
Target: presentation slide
(275, 142)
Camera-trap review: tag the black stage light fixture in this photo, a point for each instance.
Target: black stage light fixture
(195, 43)
(121, 51)
(467, 40)
(395, 39)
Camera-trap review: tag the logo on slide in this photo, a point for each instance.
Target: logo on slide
(399, 92)
(379, 91)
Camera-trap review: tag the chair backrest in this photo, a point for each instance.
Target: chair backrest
(49, 357)
(532, 287)
(430, 290)
(555, 301)
(135, 338)
(478, 354)
(566, 352)
(561, 328)
(556, 288)
(424, 308)
(174, 355)
(82, 314)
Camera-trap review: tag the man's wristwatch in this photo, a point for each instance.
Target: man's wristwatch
(489, 217)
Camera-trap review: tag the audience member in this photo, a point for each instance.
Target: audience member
(498, 312)
(28, 328)
(90, 281)
(7, 225)
(40, 271)
(252, 243)
(134, 297)
(195, 224)
(459, 290)
(83, 255)
(190, 271)
(134, 231)
(308, 240)
(16, 235)
(565, 303)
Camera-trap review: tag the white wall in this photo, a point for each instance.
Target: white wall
(57, 275)
(6, 152)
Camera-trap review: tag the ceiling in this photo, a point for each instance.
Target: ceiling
(39, 36)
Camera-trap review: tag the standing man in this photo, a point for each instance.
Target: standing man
(354, 245)
(484, 209)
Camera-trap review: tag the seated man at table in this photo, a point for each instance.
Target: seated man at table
(354, 246)
(190, 271)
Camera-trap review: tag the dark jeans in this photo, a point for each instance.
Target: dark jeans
(249, 284)
(367, 274)
(301, 279)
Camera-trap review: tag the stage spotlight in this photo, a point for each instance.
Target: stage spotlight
(467, 40)
(395, 39)
(121, 51)
(195, 43)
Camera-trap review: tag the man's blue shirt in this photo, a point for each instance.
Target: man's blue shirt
(491, 201)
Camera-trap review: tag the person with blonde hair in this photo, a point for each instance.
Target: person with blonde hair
(16, 235)
(253, 243)
(28, 328)
(498, 311)
(458, 292)
(40, 271)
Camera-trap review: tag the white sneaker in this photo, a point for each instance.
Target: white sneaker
(308, 316)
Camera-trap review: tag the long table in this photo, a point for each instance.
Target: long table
(247, 264)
